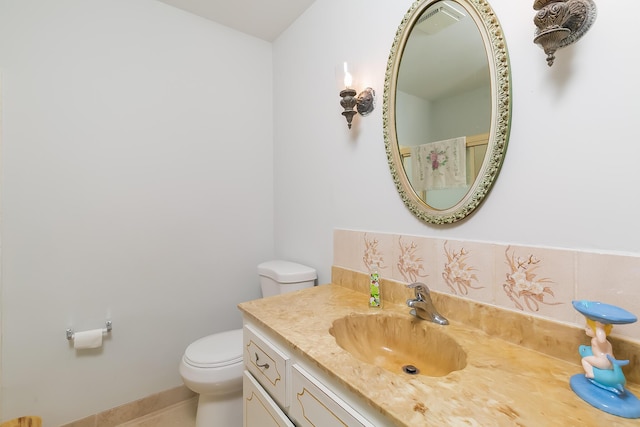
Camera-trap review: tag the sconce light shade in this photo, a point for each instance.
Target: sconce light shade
(560, 23)
(364, 103)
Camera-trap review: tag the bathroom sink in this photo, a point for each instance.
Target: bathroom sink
(398, 344)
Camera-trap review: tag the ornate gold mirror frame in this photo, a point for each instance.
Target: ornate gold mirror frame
(500, 80)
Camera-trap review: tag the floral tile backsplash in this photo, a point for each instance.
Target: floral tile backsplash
(533, 280)
(462, 274)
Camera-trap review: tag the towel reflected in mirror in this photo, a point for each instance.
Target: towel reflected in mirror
(439, 165)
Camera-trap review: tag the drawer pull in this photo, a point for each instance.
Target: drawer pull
(264, 365)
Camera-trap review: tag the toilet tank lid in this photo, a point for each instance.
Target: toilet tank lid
(286, 271)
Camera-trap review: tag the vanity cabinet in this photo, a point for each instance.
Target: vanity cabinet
(279, 390)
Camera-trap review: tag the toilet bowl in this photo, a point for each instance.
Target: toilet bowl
(212, 366)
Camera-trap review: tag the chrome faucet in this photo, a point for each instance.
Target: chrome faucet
(423, 306)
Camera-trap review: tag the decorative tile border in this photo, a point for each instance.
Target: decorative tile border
(532, 280)
(461, 272)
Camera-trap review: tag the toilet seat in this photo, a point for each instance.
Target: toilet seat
(215, 351)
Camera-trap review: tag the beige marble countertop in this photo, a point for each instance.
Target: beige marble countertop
(503, 384)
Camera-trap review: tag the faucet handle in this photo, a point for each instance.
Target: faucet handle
(420, 289)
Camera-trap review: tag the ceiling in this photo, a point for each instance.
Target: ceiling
(265, 19)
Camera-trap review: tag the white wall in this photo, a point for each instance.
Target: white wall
(124, 125)
(570, 177)
(419, 120)
(465, 114)
(418, 112)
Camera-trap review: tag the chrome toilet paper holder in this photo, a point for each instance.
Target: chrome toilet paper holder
(106, 330)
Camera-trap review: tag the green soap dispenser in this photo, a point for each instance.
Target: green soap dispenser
(374, 289)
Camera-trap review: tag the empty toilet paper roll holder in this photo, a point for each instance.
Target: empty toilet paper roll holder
(106, 330)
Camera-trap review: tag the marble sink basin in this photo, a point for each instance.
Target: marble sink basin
(401, 345)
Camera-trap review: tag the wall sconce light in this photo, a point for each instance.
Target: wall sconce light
(364, 103)
(560, 23)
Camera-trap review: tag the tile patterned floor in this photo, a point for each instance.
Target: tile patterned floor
(181, 414)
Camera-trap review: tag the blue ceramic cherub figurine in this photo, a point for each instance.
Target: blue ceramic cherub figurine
(600, 366)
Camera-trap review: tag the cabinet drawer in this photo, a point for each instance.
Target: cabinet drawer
(314, 405)
(259, 409)
(268, 365)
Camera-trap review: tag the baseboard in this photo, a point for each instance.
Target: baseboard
(136, 409)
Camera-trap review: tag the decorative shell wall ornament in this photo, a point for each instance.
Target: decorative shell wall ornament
(560, 23)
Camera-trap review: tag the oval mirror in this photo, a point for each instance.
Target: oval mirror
(447, 107)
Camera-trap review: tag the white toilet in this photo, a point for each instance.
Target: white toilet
(212, 366)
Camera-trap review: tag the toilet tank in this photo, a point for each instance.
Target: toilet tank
(279, 277)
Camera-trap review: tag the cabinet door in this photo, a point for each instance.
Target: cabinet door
(258, 408)
(314, 405)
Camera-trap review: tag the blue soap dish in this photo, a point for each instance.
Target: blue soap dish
(604, 313)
